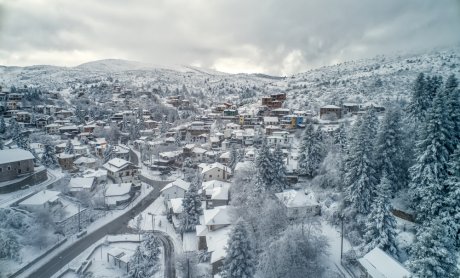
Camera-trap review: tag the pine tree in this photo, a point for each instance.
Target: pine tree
(450, 208)
(240, 259)
(108, 152)
(191, 208)
(264, 167)
(2, 144)
(2, 125)
(418, 106)
(15, 130)
(279, 170)
(233, 160)
(312, 151)
(69, 148)
(137, 266)
(430, 170)
(360, 173)
(381, 224)
(389, 149)
(340, 138)
(178, 138)
(433, 253)
(23, 142)
(452, 104)
(48, 158)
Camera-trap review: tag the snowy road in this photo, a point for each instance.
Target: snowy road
(62, 258)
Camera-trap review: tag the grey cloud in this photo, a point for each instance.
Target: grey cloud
(277, 37)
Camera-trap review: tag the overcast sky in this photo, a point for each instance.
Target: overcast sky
(275, 37)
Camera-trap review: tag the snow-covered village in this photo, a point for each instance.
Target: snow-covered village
(117, 168)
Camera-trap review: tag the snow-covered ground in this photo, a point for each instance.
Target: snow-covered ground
(101, 266)
(154, 216)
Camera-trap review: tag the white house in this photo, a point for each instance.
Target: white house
(175, 189)
(215, 171)
(82, 184)
(121, 170)
(117, 194)
(299, 203)
(378, 264)
(216, 193)
(42, 199)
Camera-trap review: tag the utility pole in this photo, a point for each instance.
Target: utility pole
(341, 239)
(79, 223)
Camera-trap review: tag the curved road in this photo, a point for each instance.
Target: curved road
(170, 269)
(117, 224)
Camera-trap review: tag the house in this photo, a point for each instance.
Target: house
(41, 122)
(99, 175)
(217, 218)
(292, 121)
(82, 184)
(280, 138)
(120, 151)
(351, 108)
(121, 170)
(52, 128)
(118, 193)
(66, 161)
(85, 162)
(216, 193)
(270, 121)
(299, 203)
(175, 189)
(15, 163)
(23, 117)
(41, 200)
(198, 153)
(378, 264)
(330, 112)
(215, 171)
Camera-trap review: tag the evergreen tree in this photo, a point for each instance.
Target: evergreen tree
(312, 151)
(418, 103)
(360, 173)
(191, 208)
(15, 130)
(178, 138)
(240, 259)
(264, 167)
(381, 224)
(450, 208)
(432, 253)
(340, 138)
(279, 170)
(233, 160)
(430, 170)
(23, 142)
(389, 150)
(451, 95)
(69, 148)
(108, 152)
(2, 125)
(137, 266)
(48, 158)
(2, 144)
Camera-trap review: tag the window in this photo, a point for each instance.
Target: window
(9, 168)
(1, 170)
(19, 171)
(210, 176)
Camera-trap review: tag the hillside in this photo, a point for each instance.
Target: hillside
(378, 79)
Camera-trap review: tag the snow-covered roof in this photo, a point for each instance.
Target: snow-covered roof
(220, 193)
(84, 183)
(294, 199)
(199, 150)
(208, 186)
(41, 198)
(179, 183)
(206, 167)
(379, 264)
(118, 189)
(330, 107)
(116, 164)
(270, 119)
(217, 216)
(83, 159)
(216, 242)
(201, 230)
(13, 155)
(225, 155)
(176, 205)
(98, 173)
